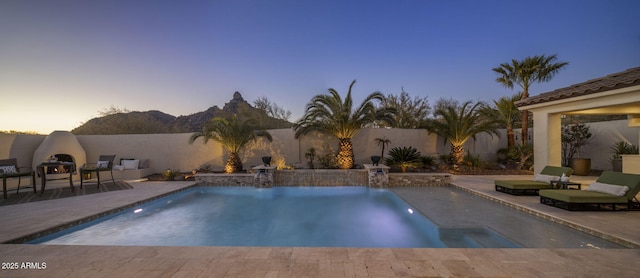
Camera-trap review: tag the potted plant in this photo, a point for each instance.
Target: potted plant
(574, 137)
(618, 149)
(405, 157)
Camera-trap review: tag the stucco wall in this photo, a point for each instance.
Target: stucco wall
(173, 151)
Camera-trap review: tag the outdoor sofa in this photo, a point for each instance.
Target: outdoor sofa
(531, 187)
(611, 191)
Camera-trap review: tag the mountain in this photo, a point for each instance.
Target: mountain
(154, 121)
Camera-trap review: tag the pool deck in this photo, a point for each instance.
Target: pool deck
(141, 261)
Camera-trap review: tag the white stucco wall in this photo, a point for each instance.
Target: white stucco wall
(173, 151)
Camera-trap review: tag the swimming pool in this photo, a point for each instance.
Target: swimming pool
(301, 216)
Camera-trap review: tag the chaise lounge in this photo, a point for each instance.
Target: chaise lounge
(531, 187)
(610, 191)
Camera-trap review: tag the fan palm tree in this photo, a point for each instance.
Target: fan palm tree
(525, 72)
(233, 134)
(331, 114)
(458, 124)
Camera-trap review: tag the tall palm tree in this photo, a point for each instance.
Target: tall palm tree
(458, 124)
(507, 114)
(525, 72)
(331, 114)
(233, 134)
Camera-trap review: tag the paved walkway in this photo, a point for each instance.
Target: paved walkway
(123, 261)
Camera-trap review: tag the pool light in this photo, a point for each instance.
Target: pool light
(410, 211)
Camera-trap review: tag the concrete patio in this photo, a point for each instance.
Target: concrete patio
(125, 261)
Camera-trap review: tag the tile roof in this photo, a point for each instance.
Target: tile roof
(627, 78)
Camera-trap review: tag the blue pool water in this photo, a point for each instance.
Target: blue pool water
(281, 216)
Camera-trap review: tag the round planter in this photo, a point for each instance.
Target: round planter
(375, 159)
(581, 166)
(266, 160)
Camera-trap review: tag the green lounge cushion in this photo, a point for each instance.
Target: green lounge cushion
(556, 171)
(522, 184)
(530, 184)
(582, 196)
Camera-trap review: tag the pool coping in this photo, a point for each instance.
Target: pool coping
(554, 219)
(539, 214)
(60, 227)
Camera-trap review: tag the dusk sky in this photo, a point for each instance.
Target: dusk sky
(62, 62)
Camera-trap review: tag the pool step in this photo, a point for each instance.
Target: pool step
(474, 238)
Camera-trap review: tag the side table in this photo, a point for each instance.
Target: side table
(565, 185)
(43, 176)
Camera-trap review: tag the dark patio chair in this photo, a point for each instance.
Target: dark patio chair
(104, 164)
(9, 169)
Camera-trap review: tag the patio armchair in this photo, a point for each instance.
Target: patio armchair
(610, 191)
(531, 187)
(104, 164)
(9, 169)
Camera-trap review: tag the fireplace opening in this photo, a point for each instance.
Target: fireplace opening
(62, 169)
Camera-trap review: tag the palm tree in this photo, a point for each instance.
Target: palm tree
(331, 114)
(525, 72)
(382, 142)
(507, 114)
(233, 134)
(458, 124)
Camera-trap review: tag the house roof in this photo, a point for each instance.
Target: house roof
(627, 78)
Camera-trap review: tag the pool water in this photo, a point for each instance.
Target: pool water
(281, 216)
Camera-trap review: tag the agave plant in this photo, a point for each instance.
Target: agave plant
(405, 157)
(622, 147)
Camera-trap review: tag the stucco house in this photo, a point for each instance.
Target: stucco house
(614, 94)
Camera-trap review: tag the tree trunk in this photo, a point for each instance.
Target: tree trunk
(345, 154)
(511, 142)
(525, 117)
(234, 164)
(525, 127)
(457, 154)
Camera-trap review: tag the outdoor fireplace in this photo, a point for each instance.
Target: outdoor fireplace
(60, 146)
(62, 169)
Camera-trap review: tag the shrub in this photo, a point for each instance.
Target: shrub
(329, 158)
(428, 161)
(472, 160)
(404, 157)
(622, 147)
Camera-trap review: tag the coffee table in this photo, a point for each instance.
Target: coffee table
(565, 185)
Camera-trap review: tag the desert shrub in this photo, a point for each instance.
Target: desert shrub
(474, 161)
(428, 161)
(445, 159)
(328, 158)
(169, 174)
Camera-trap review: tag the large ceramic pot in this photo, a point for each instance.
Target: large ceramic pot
(375, 159)
(266, 160)
(581, 166)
